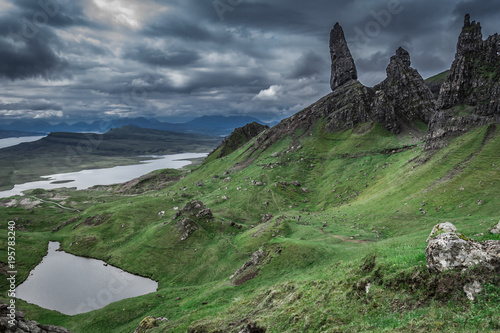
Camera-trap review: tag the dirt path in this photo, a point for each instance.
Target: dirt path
(57, 204)
(272, 194)
(342, 238)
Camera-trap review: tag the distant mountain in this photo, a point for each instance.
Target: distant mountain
(207, 125)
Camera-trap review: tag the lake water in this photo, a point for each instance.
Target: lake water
(88, 178)
(73, 285)
(7, 142)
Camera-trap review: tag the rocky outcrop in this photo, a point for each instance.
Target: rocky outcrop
(403, 97)
(149, 323)
(239, 137)
(400, 100)
(250, 269)
(343, 67)
(21, 325)
(452, 250)
(253, 327)
(189, 218)
(470, 95)
(186, 227)
(194, 209)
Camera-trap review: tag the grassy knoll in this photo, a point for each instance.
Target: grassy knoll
(344, 248)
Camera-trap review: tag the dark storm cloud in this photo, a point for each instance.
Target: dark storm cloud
(185, 58)
(309, 64)
(164, 58)
(174, 26)
(26, 50)
(59, 13)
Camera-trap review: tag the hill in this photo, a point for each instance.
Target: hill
(318, 224)
(61, 152)
(205, 125)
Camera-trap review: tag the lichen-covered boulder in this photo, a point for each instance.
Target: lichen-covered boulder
(441, 228)
(149, 323)
(451, 250)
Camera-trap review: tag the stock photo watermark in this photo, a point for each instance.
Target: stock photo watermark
(30, 27)
(381, 19)
(105, 296)
(224, 6)
(11, 273)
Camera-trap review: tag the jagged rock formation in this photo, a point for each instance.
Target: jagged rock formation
(343, 67)
(403, 97)
(400, 100)
(237, 139)
(470, 95)
(452, 250)
(21, 325)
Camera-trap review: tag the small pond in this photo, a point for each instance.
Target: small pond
(73, 285)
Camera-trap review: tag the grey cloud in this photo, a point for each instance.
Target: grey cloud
(165, 58)
(30, 105)
(309, 64)
(114, 70)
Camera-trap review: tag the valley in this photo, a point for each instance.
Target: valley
(61, 152)
(319, 224)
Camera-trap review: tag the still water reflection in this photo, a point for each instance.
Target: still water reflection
(72, 285)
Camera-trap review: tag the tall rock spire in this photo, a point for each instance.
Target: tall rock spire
(343, 67)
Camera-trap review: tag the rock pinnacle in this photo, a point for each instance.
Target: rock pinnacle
(343, 67)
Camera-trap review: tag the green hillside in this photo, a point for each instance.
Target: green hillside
(366, 202)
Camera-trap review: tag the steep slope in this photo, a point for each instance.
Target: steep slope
(237, 139)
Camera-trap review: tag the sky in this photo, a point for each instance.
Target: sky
(174, 60)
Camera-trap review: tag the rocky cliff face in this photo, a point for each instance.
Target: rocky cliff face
(238, 138)
(403, 97)
(400, 100)
(470, 95)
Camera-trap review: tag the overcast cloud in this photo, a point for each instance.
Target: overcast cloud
(71, 60)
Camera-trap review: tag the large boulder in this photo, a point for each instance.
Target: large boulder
(452, 250)
(441, 228)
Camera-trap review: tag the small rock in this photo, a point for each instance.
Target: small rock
(471, 289)
(496, 230)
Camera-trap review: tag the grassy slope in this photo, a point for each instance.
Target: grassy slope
(357, 181)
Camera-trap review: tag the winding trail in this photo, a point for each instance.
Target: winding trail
(57, 204)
